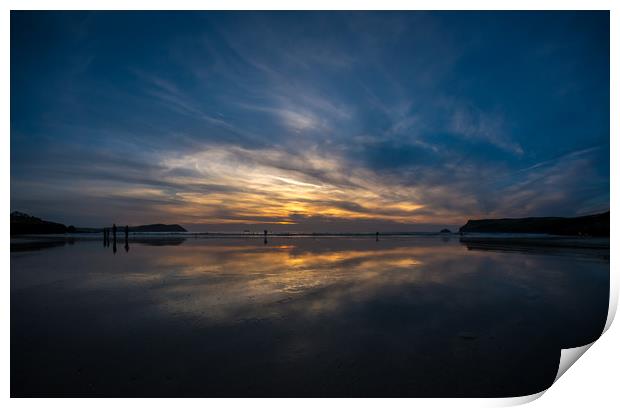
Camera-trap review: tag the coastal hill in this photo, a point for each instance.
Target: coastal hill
(26, 224)
(596, 225)
(158, 228)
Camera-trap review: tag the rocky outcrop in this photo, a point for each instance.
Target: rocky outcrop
(596, 225)
(22, 224)
(26, 224)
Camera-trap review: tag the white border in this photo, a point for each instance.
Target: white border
(594, 378)
(309, 5)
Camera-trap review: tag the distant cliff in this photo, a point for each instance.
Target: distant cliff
(25, 224)
(139, 228)
(158, 228)
(591, 225)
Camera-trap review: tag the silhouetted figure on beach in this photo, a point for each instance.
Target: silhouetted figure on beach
(265, 240)
(126, 238)
(377, 237)
(114, 245)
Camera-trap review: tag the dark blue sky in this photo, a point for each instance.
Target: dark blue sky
(309, 121)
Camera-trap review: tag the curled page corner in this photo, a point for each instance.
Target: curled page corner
(613, 303)
(568, 358)
(514, 401)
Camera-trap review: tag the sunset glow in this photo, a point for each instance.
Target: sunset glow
(242, 121)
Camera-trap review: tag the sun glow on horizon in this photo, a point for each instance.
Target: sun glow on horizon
(308, 122)
(236, 185)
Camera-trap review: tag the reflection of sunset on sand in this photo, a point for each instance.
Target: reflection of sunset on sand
(235, 275)
(219, 281)
(338, 316)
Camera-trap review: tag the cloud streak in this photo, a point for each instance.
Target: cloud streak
(304, 122)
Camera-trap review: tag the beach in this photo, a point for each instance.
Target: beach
(299, 316)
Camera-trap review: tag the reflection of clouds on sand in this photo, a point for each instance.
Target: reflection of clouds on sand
(402, 316)
(223, 283)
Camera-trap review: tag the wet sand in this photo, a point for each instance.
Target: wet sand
(550, 245)
(404, 316)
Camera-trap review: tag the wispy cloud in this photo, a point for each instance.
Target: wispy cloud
(309, 121)
(473, 124)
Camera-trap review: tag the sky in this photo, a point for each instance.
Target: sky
(308, 121)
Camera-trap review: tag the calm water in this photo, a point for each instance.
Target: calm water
(415, 316)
